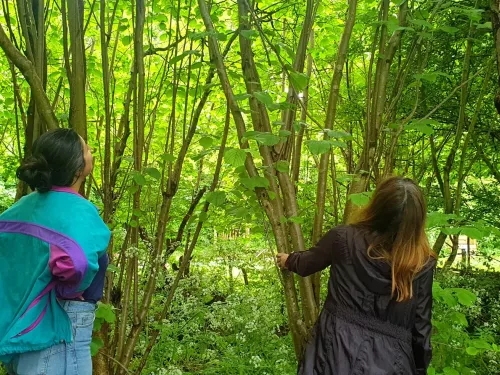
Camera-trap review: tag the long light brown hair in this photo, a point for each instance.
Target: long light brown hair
(396, 217)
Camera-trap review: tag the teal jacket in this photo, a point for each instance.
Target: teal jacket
(49, 249)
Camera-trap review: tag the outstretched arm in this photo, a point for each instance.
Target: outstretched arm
(317, 258)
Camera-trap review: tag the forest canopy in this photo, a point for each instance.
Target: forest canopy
(225, 132)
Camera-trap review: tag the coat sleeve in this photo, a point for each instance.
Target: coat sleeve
(66, 273)
(317, 258)
(422, 329)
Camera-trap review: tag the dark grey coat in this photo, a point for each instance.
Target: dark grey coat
(362, 329)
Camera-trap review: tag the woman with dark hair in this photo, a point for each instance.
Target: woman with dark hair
(52, 262)
(377, 316)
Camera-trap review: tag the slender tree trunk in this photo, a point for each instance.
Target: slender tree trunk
(331, 113)
(495, 21)
(77, 75)
(298, 328)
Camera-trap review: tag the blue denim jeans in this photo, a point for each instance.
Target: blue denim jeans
(65, 358)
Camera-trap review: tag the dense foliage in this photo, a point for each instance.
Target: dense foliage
(224, 132)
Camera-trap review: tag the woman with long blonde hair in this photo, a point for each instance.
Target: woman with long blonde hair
(376, 319)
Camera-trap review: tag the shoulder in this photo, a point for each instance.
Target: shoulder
(83, 216)
(338, 238)
(426, 275)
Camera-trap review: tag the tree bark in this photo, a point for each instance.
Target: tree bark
(28, 70)
(331, 113)
(78, 74)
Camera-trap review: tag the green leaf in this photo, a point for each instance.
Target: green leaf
(126, 40)
(422, 126)
(472, 351)
(206, 142)
(459, 318)
(288, 50)
(235, 156)
(465, 297)
(153, 172)
(167, 157)
(339, 144)
(472, 232)
(255, 182)
(439, 219)
(95, 345)
(360, 199)
(422, 23)
(112, 268)
(449, 29)
(296, 219)
(266, 99)
(299, 80)
(203, 217)
(450, 231)
(221, 37)
(480, 344)
(318, 147)
(431, 371)
(202, 154)
(486, 25)
(340, 135)
(217, 198)
(134, 223)
(249, 34)
(240, 97)
(264, 138)
(285, 133)
(431, 76)
(105, 312)
(450, 371)
(448, 298)
(139, 179)
(282, 166)
(178, 58)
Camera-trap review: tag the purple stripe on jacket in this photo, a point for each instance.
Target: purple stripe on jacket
(67, 259)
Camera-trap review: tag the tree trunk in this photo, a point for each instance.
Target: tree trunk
(77, 75)
(495, 22)
(331, 113)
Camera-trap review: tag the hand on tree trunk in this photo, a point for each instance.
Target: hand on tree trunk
(281, 260)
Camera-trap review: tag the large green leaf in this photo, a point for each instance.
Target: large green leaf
(206, 142)
(464, 296)
(105, 312)
(95, 345)
(450, 371)
(217, 198)
(473, 232)
(235, 156)
(153, 172)
(255, 182)
(264, 138)
(472, 351)
(360, 199)
(318, 147)
(265, 99)
(459, 318)
(340, 135)
(249, 34)
(422, 126)
(139, 179)
(299, 80)
(178, 58)
(282, 166)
